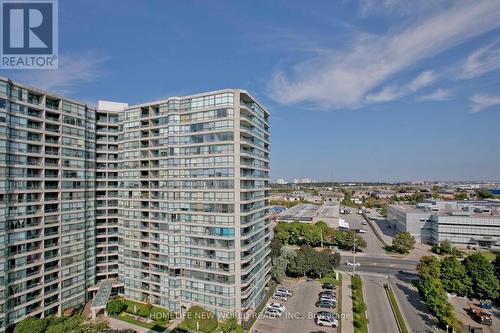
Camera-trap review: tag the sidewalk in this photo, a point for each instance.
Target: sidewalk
(346, 315)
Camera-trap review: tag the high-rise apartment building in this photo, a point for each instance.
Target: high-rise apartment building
(169, 200)
(47, 202)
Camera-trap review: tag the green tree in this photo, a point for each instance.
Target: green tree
(312, 263)
(383, 210)
(454, 277)
(275, 246)
(435, 297)
(73, 324)
(312, 235)
(31, 325)
(344, 239)
(461, 195)
(484, 194)
(404, 242)
(485, 284)
(446, 247)
(115, 306)
(229, 325)
(280, 264)
(429, 266)
(496, 263)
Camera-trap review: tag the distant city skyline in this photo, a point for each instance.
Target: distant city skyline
(357, 90)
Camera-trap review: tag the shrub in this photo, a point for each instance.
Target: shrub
(115, 306)
(31, 325)
(206, 320)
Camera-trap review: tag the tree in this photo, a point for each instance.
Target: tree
(446, 247)
(484, 194)
(31, 325)
(485, 284)
(280, 264)
(435, 297)
(344, 239)
(454, 277)
(115, 306)
(404, 242)
(312, 263)
(496, 263)
(312, 235)
(229, 324)
(461, 195)
(383, 210)
(73, 324)
(275, 246)
(429, 266)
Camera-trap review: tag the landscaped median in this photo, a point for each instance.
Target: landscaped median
(395, 309)
(140, 314)
(358, 306)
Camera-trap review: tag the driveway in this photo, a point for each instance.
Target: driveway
(299, 314)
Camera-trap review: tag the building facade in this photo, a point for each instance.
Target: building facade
(169, 199)
(47, 202)
(463, 223)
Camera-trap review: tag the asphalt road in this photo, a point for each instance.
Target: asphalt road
(379, 264)
(373, 245)
(379, 313)
(417, 316)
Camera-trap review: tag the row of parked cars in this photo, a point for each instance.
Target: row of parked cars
(276, 309)
(327, 299)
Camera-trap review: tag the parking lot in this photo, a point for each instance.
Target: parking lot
(300, 310)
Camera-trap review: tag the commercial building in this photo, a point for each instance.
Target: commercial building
(328, 212)
(167, 200)
(463, 223)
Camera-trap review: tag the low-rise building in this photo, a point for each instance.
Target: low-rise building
(463, 223)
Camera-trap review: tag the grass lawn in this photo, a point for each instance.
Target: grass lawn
(339, 304)
(160, 315)
(330, 278)
(129, 319)
(397, 311)
(358, 306)
(490, 255)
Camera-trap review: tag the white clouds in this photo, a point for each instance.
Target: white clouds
(480, 102)
(437, 95)
(347, 79)
(73, 71)
(422, 80)
(481, 61)
(387, 94)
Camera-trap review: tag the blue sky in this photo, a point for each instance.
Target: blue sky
(358, 90)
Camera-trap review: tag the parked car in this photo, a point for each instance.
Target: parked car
(322, 319)
(328, 298)
(277, 306)
(327, 292)
(280, 297)
(328, 286)
(326, 304)
(285, 291)
(364, 223)
(362, 231)
(273, 313)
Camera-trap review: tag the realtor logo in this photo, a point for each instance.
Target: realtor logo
(29, 34)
